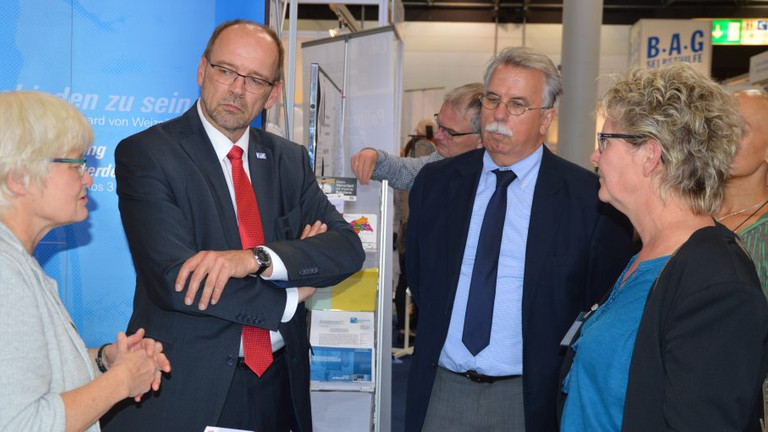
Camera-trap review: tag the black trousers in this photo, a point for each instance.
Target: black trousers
(259, 404)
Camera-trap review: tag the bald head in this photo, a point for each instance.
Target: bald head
(260, 28)
(752, 152)
(756, 98)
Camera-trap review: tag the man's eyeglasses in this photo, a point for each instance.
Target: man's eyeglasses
(80, 163)
(602, 139)
(227, 76)
(453, 134)
(515, 107)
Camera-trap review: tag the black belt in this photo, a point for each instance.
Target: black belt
(484, 379)
(275, 355)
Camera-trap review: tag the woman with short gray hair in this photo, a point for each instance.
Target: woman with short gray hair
(49, 381)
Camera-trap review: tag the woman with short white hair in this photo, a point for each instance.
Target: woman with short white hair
(49, 381)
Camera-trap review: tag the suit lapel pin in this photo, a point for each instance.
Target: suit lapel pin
(260, 155)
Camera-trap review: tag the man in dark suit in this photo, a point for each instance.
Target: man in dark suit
(501, 268)
(183, 196)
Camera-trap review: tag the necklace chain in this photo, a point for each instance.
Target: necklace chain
(760, 204)
(750, 216)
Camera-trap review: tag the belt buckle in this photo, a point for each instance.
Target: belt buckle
(476, 377)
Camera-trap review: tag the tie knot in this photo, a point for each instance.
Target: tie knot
(235, 153)
(504, 178)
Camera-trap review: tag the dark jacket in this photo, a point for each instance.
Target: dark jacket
(174, 202)
(576, 248)
(701, 350)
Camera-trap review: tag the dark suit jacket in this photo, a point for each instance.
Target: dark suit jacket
(576, 249)
(174, 202)
(702, 345)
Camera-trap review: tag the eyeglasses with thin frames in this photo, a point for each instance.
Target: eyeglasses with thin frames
(450, 132)
(515, 107)
(602, 139)
(226, 76)
(81, 166)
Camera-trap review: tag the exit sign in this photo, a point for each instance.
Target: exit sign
(753, 31)
(726, 32)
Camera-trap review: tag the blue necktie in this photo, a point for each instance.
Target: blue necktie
(482, 288)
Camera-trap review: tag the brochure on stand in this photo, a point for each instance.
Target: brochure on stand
(334, 411)
(342, 350)
(338, 190)
(366, 226)
(344, 188)
(355, 293)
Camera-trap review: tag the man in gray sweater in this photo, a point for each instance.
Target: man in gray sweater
(458, 131)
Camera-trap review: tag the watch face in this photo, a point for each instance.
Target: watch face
(263, 257)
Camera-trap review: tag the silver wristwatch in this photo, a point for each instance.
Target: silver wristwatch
(263, 260)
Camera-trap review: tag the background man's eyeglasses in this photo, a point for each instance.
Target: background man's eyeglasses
(514, 106)
(450, 132)
(79, 162)
(227, 76)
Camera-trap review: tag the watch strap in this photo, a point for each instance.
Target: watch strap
(100, 359)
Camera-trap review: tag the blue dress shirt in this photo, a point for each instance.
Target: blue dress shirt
(504, 355)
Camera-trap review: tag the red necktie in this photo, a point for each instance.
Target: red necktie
(257, 346)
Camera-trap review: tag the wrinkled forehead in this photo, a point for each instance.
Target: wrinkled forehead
(511, 82)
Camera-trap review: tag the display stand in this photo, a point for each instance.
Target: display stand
(367, 66)
(340, 389)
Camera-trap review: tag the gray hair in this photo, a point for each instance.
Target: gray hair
(466, 100)
(694, 120)
(529, 58)
(34, 128)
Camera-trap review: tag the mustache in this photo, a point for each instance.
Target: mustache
(234, 101)
(499, 128)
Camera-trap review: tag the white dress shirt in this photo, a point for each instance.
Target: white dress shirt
(222, 145)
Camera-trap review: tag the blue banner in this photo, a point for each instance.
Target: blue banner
(126, 66)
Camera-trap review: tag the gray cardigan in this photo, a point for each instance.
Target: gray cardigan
(41, 353)
(400, 171)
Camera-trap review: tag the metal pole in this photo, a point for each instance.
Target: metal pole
(582, 21)
(293, 18)
(381, 349)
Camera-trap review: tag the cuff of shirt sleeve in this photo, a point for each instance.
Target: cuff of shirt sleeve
(381, 157)
(279, 272)
(291, 303)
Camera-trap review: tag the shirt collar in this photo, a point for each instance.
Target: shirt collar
(221, 144)
(525, 169)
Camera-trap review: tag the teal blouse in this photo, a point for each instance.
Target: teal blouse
(597, 382)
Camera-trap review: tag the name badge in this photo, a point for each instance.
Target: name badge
(573, 332)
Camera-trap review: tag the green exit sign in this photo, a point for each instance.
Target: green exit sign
(726, 32)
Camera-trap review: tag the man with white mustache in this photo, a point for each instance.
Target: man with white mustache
(500, 269)
(498, 128)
